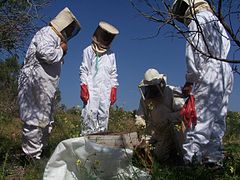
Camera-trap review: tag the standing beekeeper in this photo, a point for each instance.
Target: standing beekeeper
(98, 75)
(159, 112)
(39, 79)
(210, 80)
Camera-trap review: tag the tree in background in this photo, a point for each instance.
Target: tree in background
(160, 12)
(19, 20)
(18, 23)
(8, 86)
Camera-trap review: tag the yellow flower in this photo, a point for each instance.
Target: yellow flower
(97, 162)
(150, 106)
(231, 169)
(178, 127)
(150, 147)
(78, 162)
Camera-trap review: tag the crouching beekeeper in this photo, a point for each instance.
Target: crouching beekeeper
(98, 75)
(39, 79)
(159, 113)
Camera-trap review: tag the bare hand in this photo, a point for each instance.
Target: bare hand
(64, 47)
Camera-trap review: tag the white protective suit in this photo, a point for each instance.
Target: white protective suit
(38, 81)
(99, 73)
(161, 114)
(213, 82)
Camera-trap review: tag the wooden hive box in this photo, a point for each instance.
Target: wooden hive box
(119, 140)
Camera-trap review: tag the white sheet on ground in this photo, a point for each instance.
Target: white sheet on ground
(79, 158)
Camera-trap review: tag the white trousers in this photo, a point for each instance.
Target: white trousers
(94, 122)
(204, 141)
(34, 139)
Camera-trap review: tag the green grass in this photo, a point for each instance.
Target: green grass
(67, 125)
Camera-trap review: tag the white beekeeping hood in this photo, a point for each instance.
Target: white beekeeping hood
(103, 36)
(66, 24)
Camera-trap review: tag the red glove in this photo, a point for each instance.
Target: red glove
(186, 90)
(84, 93)
(113, 96)
(188, 112)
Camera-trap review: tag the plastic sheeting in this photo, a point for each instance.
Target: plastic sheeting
(79, 158)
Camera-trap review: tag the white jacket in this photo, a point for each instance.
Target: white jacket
(39, 78)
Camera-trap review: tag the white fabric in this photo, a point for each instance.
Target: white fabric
(39, 78)
(63, 19)
(108, 27)
(34, 139)
(193, 2)
(213, 81)
(153, 76)
(79, 158)
(160, 115)
(100, 75)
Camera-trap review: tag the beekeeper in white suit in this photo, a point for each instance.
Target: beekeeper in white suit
(211, 80)
(159, 112)
(98, 75)
(39, 79)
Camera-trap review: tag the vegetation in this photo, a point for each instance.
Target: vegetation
(67, 125)
(16, 18)
(8, 86)
(18, 23)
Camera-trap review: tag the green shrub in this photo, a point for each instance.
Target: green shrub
(68, 124)
(120, 119)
